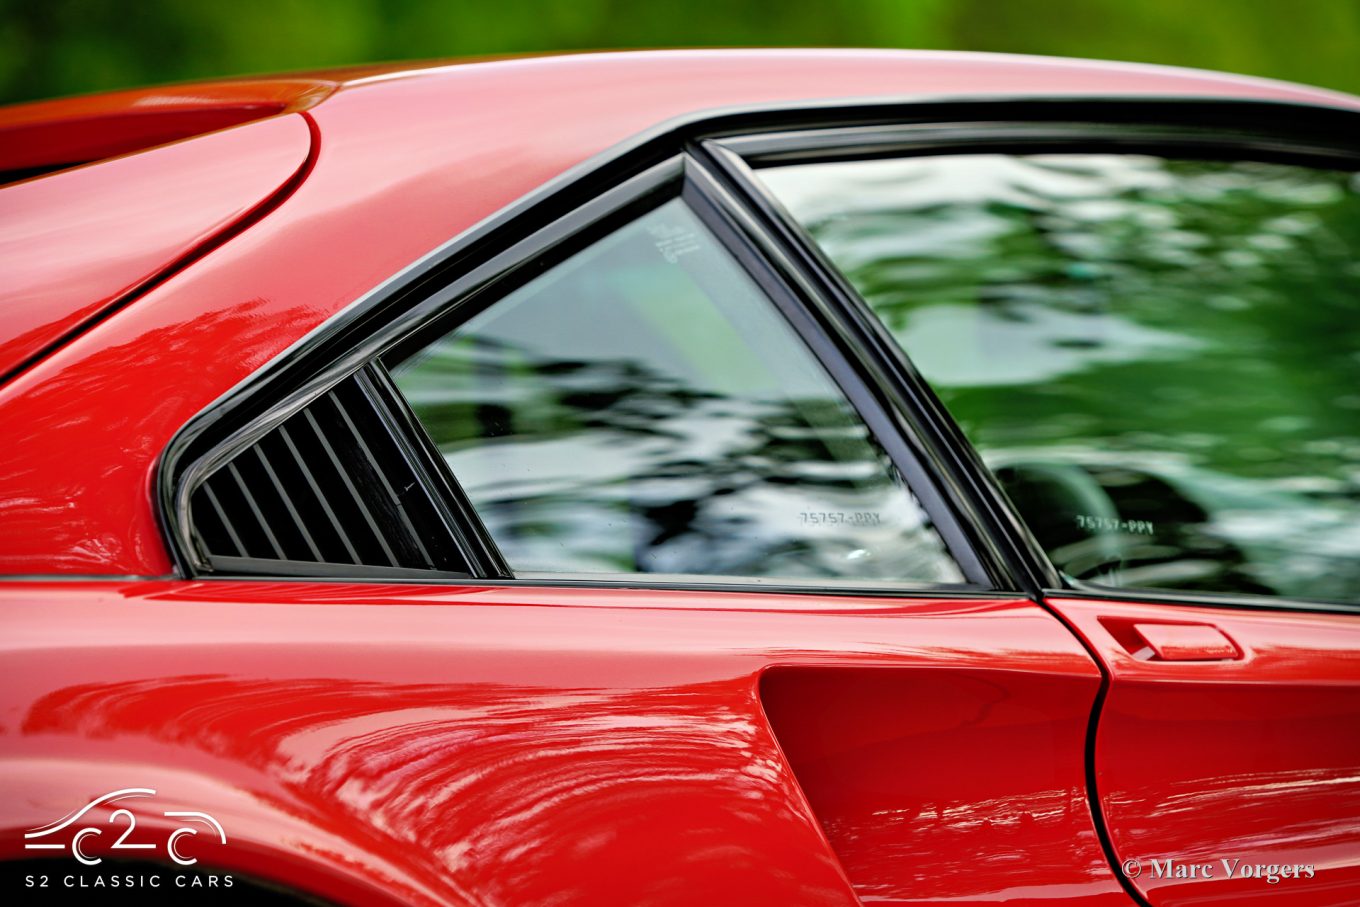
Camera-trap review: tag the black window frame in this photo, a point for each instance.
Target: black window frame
(708, 158)
(364, 338)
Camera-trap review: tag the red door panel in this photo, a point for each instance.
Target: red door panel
(533, 746)
(1246, 750)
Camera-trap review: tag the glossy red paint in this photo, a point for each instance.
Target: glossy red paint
(902, 768)
(406, 161)
(69, 131)
(75, 243)
(1254, 758)
(531, 746)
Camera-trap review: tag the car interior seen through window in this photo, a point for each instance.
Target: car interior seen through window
(1159, 359)
(643, 407)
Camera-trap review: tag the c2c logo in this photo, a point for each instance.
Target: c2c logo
(124, 819)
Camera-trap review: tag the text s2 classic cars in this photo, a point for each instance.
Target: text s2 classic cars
(751, 478)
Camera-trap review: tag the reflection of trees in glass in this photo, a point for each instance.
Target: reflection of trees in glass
(1189, 325)
(623, 413)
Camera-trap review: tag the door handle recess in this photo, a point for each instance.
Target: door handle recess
(1184, 642)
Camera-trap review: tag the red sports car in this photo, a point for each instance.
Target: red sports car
(788, 478)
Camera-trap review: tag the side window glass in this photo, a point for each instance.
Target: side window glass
(643, 408)
(1159, 359)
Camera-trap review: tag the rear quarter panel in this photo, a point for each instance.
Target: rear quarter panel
(542, 746)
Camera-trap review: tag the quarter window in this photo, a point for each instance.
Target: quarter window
(644, 408)
(1159, 359)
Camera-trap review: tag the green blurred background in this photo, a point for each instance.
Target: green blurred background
(59, 47)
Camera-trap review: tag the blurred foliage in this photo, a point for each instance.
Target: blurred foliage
(57, 47)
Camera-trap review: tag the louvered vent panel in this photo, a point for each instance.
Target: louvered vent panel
(331, 485)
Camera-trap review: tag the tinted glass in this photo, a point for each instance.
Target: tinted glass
(643, 408)
(1159, 359)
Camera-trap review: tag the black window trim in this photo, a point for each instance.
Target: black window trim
(705, 148)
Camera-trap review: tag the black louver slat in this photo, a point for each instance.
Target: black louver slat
(331, 485)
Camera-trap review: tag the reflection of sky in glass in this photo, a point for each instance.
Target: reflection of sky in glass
(1130, 338)
(1041, 345)
(642, 408)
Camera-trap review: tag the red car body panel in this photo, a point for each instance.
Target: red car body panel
(1254, 757)
(74, 244)
(529, 746)
(403, 165)
(70, 131)
(515, 745)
